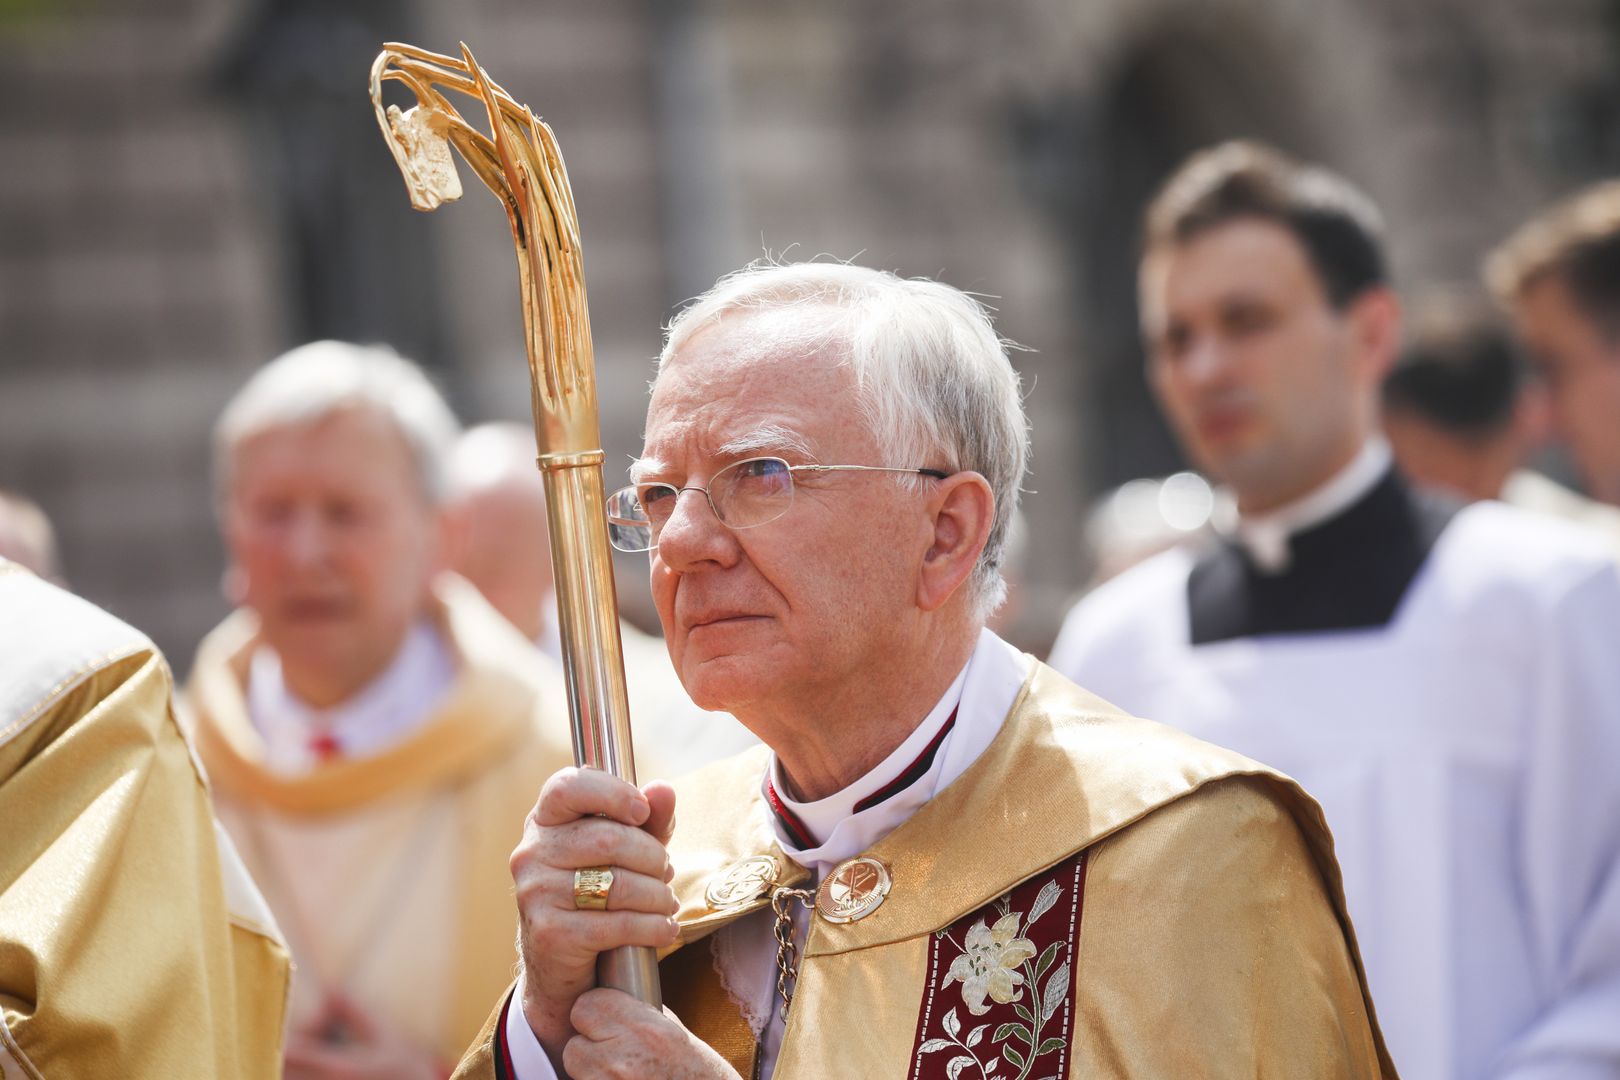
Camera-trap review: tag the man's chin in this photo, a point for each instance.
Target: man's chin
(723, 683)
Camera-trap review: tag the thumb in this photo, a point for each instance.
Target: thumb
(661, 821)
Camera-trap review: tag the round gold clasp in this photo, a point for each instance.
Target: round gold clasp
(855, 889)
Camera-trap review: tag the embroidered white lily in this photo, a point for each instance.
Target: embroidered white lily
(989, 962)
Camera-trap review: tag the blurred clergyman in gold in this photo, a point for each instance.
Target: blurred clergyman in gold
(374, 731)
(497, 513)
(132, 941)
(1559, 275)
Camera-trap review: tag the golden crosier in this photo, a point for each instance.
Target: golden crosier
(519, 161)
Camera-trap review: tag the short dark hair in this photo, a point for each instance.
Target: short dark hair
(1577, 240)
(1337, 225)
(1460, 373)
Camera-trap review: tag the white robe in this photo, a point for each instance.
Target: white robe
(1468, 758)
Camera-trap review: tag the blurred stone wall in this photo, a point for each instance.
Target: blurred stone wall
(147, 264)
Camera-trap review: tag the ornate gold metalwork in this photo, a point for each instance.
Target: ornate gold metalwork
(519, 161)
(592, 884)
(743, 882)
(853, 890)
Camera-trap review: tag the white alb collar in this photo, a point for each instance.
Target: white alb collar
(1265, 536)
(382, 713)
(980, 696)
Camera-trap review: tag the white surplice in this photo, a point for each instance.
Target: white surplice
(1467, 755)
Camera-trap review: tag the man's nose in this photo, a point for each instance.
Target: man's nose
(694, 533)
(307, 540)
(1206, 362)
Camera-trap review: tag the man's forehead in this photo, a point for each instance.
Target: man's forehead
(1246, 257)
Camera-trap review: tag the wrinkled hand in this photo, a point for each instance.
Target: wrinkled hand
(368, 1050)
(586, 817)
(620, 1038)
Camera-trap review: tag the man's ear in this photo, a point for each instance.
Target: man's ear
(1375, 318)
(961, 510)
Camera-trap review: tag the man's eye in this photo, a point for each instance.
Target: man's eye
(1247, 319)
(760, 468)
(656, 500)
(272, 512)
(344, 513)
(1173, 343)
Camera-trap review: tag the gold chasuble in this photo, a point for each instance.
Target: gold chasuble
(388, 873)
(1096, 896)
(132, 942)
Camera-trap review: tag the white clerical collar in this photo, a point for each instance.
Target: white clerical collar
(1265, 536)
(849, 821)
(381, 714)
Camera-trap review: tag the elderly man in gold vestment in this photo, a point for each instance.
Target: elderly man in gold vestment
(373, 730)
(946, 861)
(132, 941)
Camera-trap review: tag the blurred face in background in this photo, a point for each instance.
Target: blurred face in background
(1579, 364)
(333, 544)
(1270, 388)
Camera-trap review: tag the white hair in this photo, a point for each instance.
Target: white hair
(317, 380)
(933, 379)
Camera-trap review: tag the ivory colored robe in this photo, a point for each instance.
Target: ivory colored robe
(389, 873)
(1171, 910)
(132, 942)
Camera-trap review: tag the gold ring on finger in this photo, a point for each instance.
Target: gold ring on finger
(591, 887)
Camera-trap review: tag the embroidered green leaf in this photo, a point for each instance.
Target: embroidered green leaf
(1057, 987)
(1049, 1045)
(975, 1035)
(954, 1067)
(1046, 958)
(953, 1026)
(934, 1044)
(1043, 901)
(1012, 1055)
(1024, 1014)
(1023, 1033)
(1005, 1030)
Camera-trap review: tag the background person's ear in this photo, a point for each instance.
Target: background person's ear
(962, 509)
(1376, 324)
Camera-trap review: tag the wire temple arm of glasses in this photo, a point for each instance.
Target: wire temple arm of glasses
(937, 474)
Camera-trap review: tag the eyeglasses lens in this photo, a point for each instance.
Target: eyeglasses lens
(743, 495)
(752, 492)
(628, 527)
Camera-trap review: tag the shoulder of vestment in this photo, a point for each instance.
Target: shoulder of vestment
(1066, 771)
(62, 657)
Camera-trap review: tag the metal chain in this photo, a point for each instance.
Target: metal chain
(787, 973)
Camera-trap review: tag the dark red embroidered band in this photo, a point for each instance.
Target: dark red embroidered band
(913, 772)
(999, 1004)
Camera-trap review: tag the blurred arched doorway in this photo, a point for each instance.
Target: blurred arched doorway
(1184, 85)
